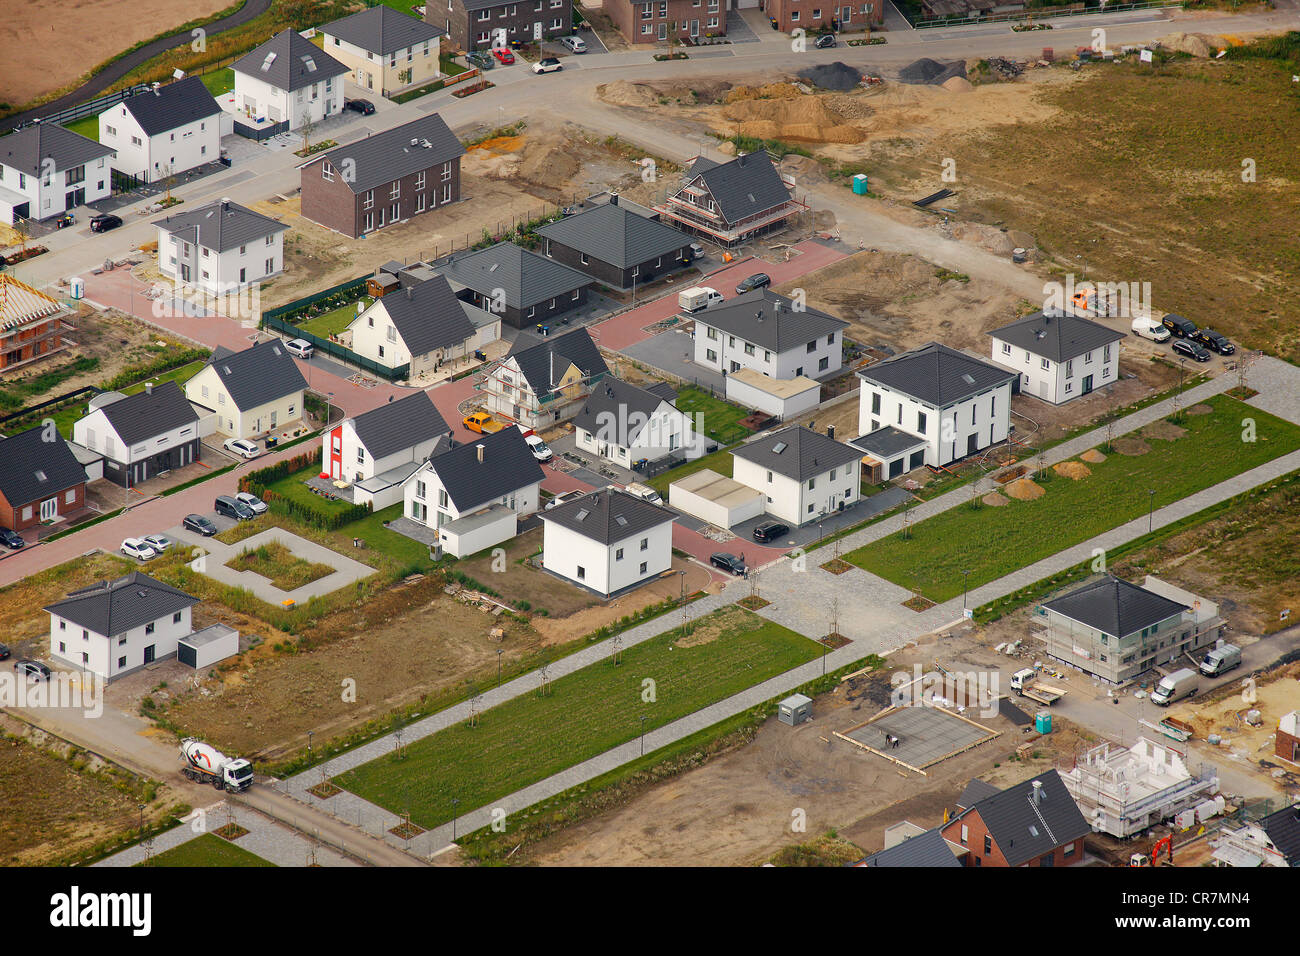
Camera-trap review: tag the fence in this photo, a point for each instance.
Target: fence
(49, 403)
(262, 132)
(1037, 13)
(91, 107)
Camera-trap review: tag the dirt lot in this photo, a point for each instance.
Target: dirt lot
(26, 628)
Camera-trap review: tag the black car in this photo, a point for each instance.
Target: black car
(199, 525)
(225, 505)
(727, 562)
(4, 652)
(1181, 327)
(1192, 349)
(770, 531)
(481, 60)
(1214, 341)
(104, 222)
(759, 280)
(825, 41)
(364, 107)
(11, 539)
(33, 669)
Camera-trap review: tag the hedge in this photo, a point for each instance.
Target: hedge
(308, 512)
(139, 373)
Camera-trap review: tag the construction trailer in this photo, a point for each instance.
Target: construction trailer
(794, 710)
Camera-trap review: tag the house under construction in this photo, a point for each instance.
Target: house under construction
(542, 383)
(31, 324)
(733, 201)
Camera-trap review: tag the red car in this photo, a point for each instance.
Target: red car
(504, 56)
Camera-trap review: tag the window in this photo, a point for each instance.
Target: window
(442, 497)
(1069, 368)
(794, 16)
(1069, 387)
(582, 573)
(644, 564)
(368, 200)
(710, 355)
(812, 483)
(421, 202)
(327, 172)
(396, 191)
(176, 618)
(1067, 850)
(1105, 354)
(446, 171)
(823, 365)
(964, 834)
(921, 422)
(618, 555)
(381, 351)
(1087, 359)
(149, 628)
(1006, 348)
(121, 662)
(875, 403)
(988, 843)
(270, 265)
(645, 544)
(419, 180)
(1046, 364)
(749, 348)
(63, 625)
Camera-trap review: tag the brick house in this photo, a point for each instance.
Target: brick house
(31, 323)
(813, 15)
(1034, 823)
(473, 24)
(659, 20)
(39, 480)
(383, 179)
(517, 284)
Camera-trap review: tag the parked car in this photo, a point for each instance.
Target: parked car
(199, 525)
(159, 542)
(242, 447)
(1193, 350)
(697, 251)
(770, 531)
(255, 504)
(137, 548)
(364, 107)
(825, 41)
(759, 280)
(480, 59)
(1214, 341)
(483, 423)
(541, 451)
(727, 562)
(4, 652)
(575, 44)
(33, 669)
(547, 65)
(1149, 328)
(11, 539)
(299, 347)
(504, 56)
(228, 506)
(104, 222)
(644, 492)
(1181, 327)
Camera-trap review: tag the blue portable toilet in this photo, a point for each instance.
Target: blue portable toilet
(860, 184)
(1043, 722)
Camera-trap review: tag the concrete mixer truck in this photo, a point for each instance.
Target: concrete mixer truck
(205, 764)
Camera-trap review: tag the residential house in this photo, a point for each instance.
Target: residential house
(519, 285)
(115, 627)
(607, 541)
(41, 480)
(542, 383)
(1032, 823)
(31, 323)
(422, 324)
(616, 246)
(252, 392)
(46, 170)
(1272, 840)
(625, 423)
(959, 404)
(384, 179)
(386, 50)
(1117, 631)
(1058, 355)
(732, 201)
(661, 20)
(478, 24)
(141, 435)
(379, 449)
(164, 132)
(814, 16)
(473, 494)
(927, 848)
(289, 80)
(804, 474)
(220, 248)
(764, 331)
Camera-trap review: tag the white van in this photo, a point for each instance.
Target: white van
(1149, 328)
(644, 492)
(1181, 683)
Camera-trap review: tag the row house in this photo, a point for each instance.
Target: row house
(478, 24)
(660, 20)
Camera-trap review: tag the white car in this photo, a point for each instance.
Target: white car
(575, 44)
(243, 447)
(299, 347)
(541, 451)
(253, 502)
(159, 542)
(137, 548)
(548, 65)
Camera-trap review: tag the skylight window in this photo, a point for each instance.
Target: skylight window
(308, 62)
(620, 519)
(779, 447)
(967, 379)
(40, 475)
(582, 515)
(266, 64)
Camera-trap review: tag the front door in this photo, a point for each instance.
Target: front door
(273, 416)
(973, 443)
(149, 653)
(663, 31)
(75, 198)
(695, 28)
(50, 509)
(1087, 384)
(537, 30)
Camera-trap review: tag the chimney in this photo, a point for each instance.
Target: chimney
(1038, 791)
(410, 293)
(830, 431)
(225, 204)
(148, 388)
(479, 449)
(613, 199)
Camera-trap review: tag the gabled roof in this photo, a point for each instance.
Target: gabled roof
(797, 452)
(1056, 336)
(111, 608)
(398, 425)
(617, 411)
(257, 375)
(427, 315)
(176, 104)
(608, 515)
(148, 414)
(615, 234)
(381, 30)
(394, 153)
(1115, 607)
(220, 226)
(1024, 829)
(25, 149)
(33, 469)
(936, 375)
(508, 465)
(20, 303)
(769, 320)
(289, 62)
(544, 363)
(1283, 829)
(745, 186)
(924, 849)
(524, 277)
(975, 791)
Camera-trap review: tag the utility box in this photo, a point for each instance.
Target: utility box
(860, 184)
(794, 710)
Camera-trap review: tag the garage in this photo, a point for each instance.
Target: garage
(207, 647)
(721, 501)
(889, 453)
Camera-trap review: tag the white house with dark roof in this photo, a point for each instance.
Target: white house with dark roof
(624, 423)
(421, 323)
(615, 245)
(165, 131)
(221, 247)
(386, 50)
(959, 404)
(764, 331)
(288, 79)
(46, 170)
(607, 541)
(1058, 355)
(251, 392)
(543, 382)
(379, 449)
(804, 474)
(115, 627)
(731, 201)
(141, 435)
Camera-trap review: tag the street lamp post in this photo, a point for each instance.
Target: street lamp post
(309, 736)
(455, 802)
(498, 666)
(1151, 508)
(643, 720)
(965, 579)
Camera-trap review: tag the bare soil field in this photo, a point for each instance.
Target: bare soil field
(26, 628)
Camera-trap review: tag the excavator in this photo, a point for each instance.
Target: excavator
(1163, 848)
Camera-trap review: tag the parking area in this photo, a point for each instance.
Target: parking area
(672, 352)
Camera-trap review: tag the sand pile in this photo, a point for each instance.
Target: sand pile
(832, 76)
(807, 119)
(1163, 431)
(994, 500)
(623, 93)
(727, 148)
(1025, 489)
(770, 91)
(1093, 456)
(549, 161)
(852, 106)
(1197, 44)
(1132, 447)
(926, 71)
(1073, 470)
(957, 84)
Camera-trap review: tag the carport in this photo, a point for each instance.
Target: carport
(717, 499)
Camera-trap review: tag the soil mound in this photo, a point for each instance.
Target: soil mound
(1025, 489)
(623, 93)
(832, 76)
(1093, 456)
(994, 500)
(1073, 470)
(1164, 431)
(806, 119)
(1200, 410)
(957, 84)
(1203, 45)
(926, 71)
(1132, 447)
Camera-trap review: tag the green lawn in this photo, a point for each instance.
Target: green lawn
(206, 850)
(719, 461)
(332, 323)
(280, 566)
(584, 714)
(178, 375)
(87, 126)
(993, 541)
(219, 81)
(720, 418)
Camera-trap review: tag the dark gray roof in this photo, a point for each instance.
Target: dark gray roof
(975, 791)
(887, 442)
(745, 186)
(1056, 336)
(797, 452)
(392, 154)
(936, 375)
(398, 425)
(1115, 607)
(297, 62)
(115, 607)
(924, 849)
(33, 469)
(25, 149)
(623, 406)
(220, 226)
(524, 277)
(616, 235)
(608, 516)
(769, 320)
(257, 375)
(381, 30)
(173, 105)
(427, 315)
(1283, 828)
(149, 414)
(508, 465)
(572, 348)
(1024, 830)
